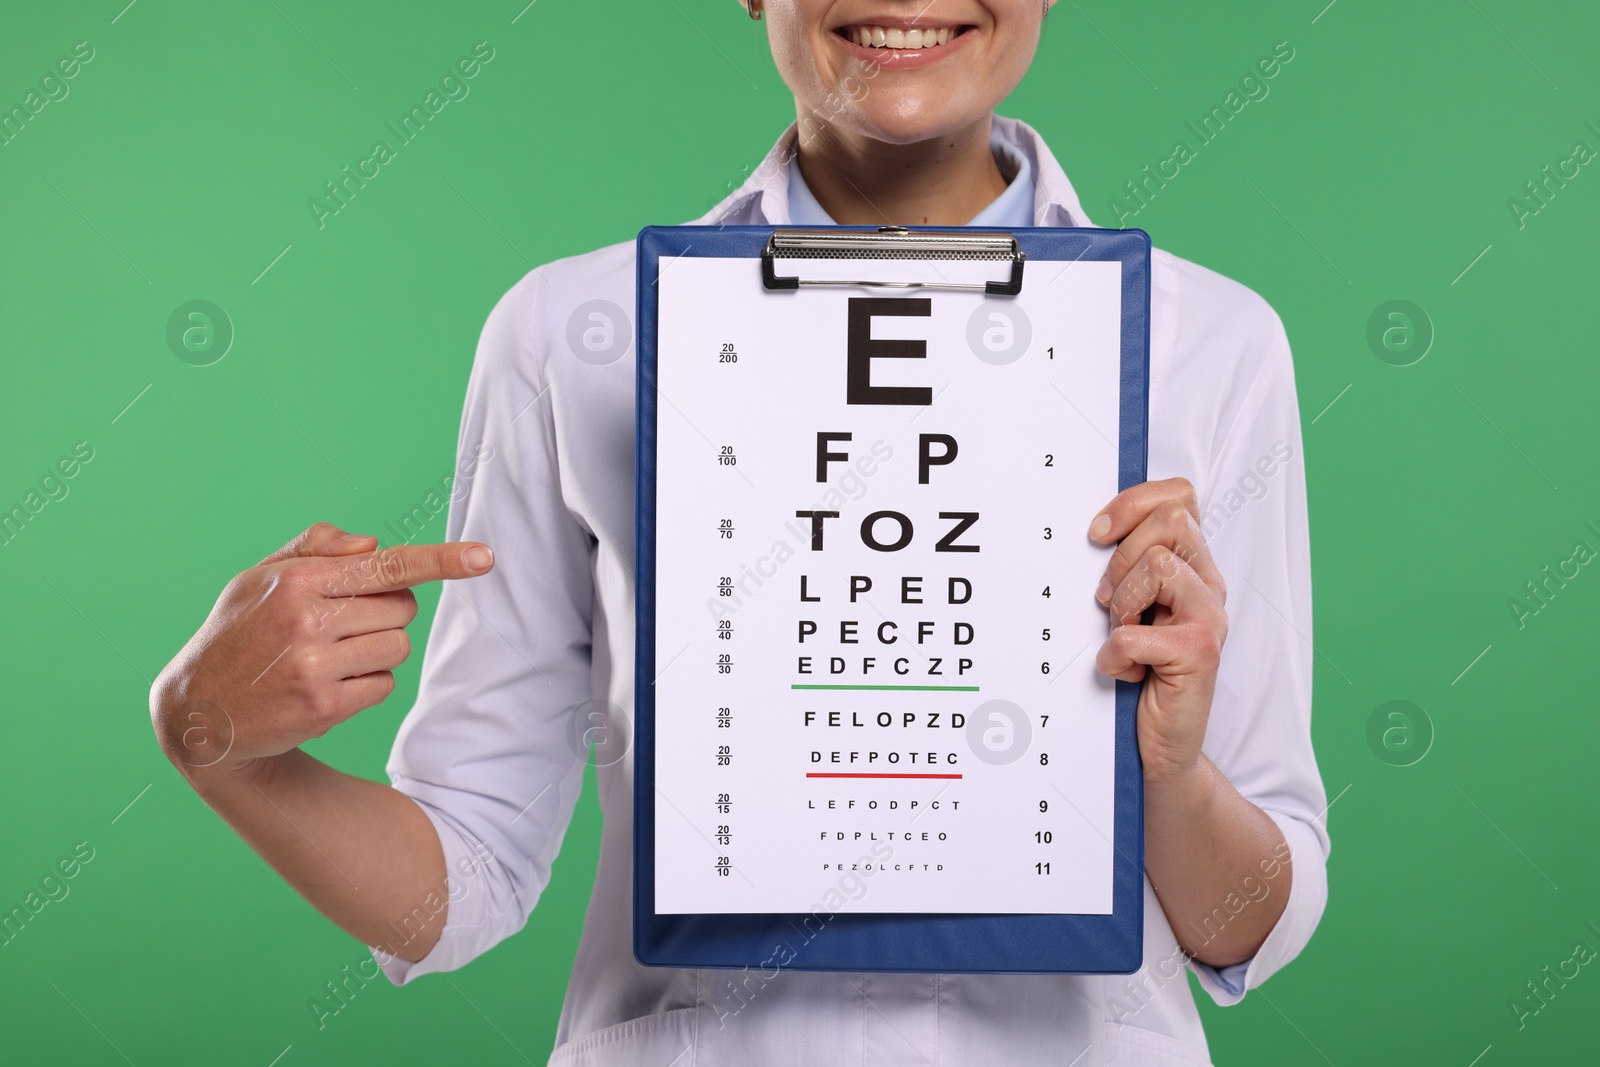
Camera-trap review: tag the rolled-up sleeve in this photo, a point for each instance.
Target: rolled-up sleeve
(486, 751)
(1253, 513)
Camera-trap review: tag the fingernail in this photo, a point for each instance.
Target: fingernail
(1100, 527)
(478, 558)
(353, 537)
(1103, 593)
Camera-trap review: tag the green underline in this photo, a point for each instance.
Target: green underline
(935, 688)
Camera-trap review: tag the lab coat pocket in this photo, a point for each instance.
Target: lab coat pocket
(1133, 1047)
(661, 1038)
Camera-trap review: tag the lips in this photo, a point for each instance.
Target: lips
(907, 45)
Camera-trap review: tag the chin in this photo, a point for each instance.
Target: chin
(911, 118)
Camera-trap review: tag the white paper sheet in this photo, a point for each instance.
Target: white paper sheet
(977, 777)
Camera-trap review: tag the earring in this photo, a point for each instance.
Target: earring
(755, 12)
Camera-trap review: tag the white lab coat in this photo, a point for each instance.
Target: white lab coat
(489, 750)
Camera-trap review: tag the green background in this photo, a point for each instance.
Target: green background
(1379, 168)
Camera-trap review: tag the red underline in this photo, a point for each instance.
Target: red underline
(818, 774)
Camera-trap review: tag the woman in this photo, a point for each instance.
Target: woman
(896, 125)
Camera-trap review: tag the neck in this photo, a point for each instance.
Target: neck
(940, 182)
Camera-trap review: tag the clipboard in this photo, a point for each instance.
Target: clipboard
(858, 260)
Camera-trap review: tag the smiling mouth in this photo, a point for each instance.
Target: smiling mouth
(893, 38)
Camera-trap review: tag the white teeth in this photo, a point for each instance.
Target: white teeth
(886, 37)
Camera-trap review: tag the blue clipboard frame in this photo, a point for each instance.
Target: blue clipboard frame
(853, 942)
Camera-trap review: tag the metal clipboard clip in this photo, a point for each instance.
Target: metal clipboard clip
(891, 242)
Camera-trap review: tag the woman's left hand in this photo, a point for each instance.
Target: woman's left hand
(1163, 560)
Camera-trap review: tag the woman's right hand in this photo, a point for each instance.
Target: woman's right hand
(298, 643)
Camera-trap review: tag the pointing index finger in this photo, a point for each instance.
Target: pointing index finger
(403, 566)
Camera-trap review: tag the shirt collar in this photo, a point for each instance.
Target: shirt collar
(1013, 207)
(764, 198)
